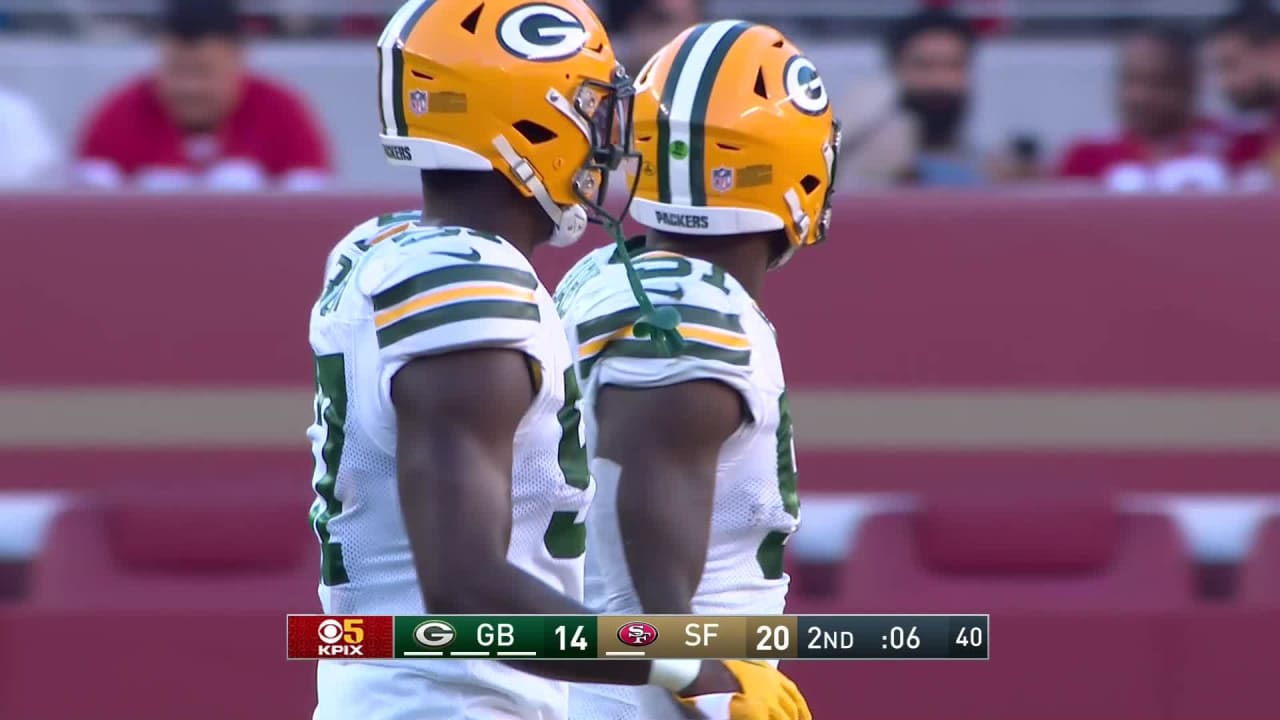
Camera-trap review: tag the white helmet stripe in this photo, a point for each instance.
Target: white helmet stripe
(681, 111)
(388, 46)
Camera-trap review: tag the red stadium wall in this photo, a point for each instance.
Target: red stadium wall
(999, 346)
(1002, 341)
(1027, 315)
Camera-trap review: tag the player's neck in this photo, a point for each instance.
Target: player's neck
(486, 202)
(745, 257)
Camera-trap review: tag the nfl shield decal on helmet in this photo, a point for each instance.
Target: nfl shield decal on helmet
(418, 102)
(722, 179)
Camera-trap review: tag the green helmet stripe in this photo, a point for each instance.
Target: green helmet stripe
(698, 118)
(393, 38)
(686, 95)
(664, 113)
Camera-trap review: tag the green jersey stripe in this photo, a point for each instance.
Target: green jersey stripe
(769, 554)
(434, 279)
(664, 116)
(698, 117)
(331, 414)
(457, 312)
(695, 314)
(646, 350)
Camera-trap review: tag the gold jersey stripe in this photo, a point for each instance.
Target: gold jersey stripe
(688, 331)
(436, 298)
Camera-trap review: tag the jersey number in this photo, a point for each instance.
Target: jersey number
(331, 417)
(770, 553)
(566, 538)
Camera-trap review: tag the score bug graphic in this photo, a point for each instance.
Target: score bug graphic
(638, 634)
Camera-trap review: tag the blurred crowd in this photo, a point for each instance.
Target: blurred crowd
(910, 130)
(200, 119)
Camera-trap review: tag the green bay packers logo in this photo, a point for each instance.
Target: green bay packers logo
(434, 634)
(541, 32)
(805, 87)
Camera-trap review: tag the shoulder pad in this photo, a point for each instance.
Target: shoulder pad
(590, 266)
(428, 279)
(710, 304)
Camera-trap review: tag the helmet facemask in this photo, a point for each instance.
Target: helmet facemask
(601, 111)
(607, 109)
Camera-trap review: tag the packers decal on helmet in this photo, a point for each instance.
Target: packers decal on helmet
(805, 87)
(541, 33)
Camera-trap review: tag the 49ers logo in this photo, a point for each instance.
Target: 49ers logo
(638, 634)
(541, 32)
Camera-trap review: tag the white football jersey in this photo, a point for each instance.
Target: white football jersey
(727, 338)
(397, 290)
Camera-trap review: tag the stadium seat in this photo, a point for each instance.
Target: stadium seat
(224, 554)
(980, 555)
(1260, 577)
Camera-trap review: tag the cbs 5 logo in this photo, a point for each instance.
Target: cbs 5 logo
(348, 631)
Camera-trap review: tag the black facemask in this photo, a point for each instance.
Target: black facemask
(939, 114)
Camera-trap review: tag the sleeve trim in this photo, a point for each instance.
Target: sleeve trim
(644, 349)
(440, 298)
(612, 323)
(451, 275)
(454, 313)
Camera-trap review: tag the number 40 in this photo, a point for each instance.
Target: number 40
(576, 641)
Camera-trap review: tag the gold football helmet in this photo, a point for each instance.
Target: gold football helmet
(530, 89)
(737, 135)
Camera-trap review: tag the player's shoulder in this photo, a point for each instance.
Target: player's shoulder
(422, 257)
(710, 302)
(579, 285)
(436, 289)
(599, 283)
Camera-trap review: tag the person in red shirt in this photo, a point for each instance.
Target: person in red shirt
(201, 121)
(1164, 146)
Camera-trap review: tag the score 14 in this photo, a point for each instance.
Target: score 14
(567, 640)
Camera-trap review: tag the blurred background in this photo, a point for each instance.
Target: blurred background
(1035, 370)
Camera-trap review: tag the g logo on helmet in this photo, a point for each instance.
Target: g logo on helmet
(805, 87)
(541, 32)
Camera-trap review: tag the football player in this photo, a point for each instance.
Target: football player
(692, 452)
(449, 471)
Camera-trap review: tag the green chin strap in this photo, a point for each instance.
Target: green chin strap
(659, 325)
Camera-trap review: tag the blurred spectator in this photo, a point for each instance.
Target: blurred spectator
(931, 55)
(1163, 146)
(1021, 162)
(1236, 50)
(201, 121)
(1244, 50)
(30, 156)
(880, 142)
(640, 27)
